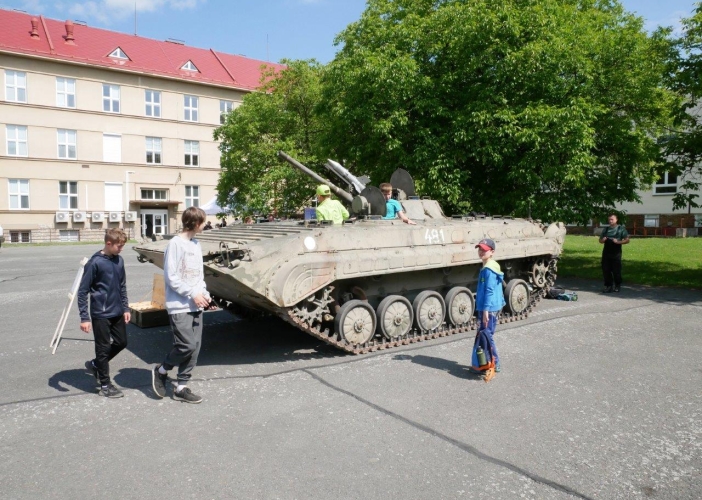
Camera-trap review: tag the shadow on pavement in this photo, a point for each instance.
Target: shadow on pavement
(446, 365)
(676, 296)
(76, 378)
(135, 378)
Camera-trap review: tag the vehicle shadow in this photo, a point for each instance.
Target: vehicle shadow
(451, 367)
(76, 378)
(229, 340)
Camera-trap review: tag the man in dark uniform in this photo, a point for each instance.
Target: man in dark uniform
(613, 237)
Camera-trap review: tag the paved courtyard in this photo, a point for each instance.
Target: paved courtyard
(599, 398)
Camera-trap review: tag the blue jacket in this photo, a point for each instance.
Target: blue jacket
(106, 282)
(490, 296)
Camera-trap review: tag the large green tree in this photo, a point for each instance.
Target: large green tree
(542, 107)
(683, 146)
(280, 116)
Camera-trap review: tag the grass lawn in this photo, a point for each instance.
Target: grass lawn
(645, 261)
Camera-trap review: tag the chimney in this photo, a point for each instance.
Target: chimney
(35, 24)
(69, 33)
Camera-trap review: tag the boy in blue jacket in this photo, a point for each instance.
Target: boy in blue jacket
(106, 282)
(489, 301)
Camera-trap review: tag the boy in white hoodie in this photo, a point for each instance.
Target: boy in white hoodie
(186, 298)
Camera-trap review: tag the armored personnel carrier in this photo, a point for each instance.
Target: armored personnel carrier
(370, 283)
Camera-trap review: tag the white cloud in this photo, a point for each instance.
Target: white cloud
(105, 11)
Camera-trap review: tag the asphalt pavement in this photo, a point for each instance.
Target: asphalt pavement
(599, 398)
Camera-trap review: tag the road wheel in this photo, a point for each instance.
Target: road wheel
(517, 296)
(394, 316)
(460, 306)
(429, 310)
(355, 322)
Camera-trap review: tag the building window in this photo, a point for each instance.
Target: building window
(20, 237)
(154, 194)
(650, 221)
(192, 196)
(667, 183)
(16, 140)
(189, 66)
(118, 53)
(15, 86)
(19, 194)
(68, 195)
(153, 150)
(114, 197)
(69, 235)
(110, 98)
(65, 92)
(67, 144)
(153, 103)
(192, 153)
(225, 107)
(190, 107)
(111, 148)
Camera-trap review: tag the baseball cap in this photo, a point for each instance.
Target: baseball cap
(323, 190)
(486, 244)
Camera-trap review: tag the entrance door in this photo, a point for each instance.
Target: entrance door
(154, 222)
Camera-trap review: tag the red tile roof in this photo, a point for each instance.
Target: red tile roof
(93, 45)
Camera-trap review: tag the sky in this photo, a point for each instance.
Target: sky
(268, 30)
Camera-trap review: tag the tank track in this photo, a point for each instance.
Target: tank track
(414, 336)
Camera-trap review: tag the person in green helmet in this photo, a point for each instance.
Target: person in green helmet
(328, 209)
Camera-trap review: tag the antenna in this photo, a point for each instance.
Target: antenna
(135, 20)
(268, 58)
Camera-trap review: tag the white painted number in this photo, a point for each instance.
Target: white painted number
(435, 237)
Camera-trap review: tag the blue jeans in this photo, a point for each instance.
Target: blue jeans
(485, 339)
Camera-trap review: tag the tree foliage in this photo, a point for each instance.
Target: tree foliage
(281, 116)
(543, 107)
(683, 146)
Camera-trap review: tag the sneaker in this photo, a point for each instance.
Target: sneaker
(187, 395)
(616, 288)
(110, 391)
(608, 289)
(158, 382)
(498, 368)
(92, 370)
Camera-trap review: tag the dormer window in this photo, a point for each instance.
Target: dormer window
(118, 53)
(189, 66)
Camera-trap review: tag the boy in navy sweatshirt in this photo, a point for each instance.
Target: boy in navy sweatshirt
(106, 282)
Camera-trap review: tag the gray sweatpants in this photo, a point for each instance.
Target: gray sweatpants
(187, 339)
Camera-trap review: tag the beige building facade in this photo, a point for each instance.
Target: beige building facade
(85, 147)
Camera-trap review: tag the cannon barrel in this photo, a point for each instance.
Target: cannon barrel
(345, 175)
(336, 190)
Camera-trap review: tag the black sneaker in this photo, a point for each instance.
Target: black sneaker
(90, 369)
(158, 382)
(608, 289)
(110, 391)
(187, 395)
(617, 289)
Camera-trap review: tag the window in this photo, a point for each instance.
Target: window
(69, 235)
(650, 221)
(190, 107)
(68, 195)
(698, 220)
(20, 237)
(114, 197)
(154, 194)
(67, 144)
(192, 196)
(110, 98)
(16, 140)
(65, 92)
(15, 86)
(19, 194)
(189, 66)
(118, 53)
(667, 183)
(153, 150)
(153, 103)
(225, 107)
(111, 148)
(192, 153)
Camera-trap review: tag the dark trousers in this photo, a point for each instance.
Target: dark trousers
(110, 338)
(612, 268)
(187, 339)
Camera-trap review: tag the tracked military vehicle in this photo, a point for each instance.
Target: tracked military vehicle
(370, 283)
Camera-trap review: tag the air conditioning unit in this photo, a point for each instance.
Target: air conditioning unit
(78, 216)
(62, 216)
(115, 216)
(98, 216)
(130, 216)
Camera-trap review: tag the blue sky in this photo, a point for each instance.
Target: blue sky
(268, 30)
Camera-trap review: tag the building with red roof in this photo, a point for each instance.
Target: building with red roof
(102, 129)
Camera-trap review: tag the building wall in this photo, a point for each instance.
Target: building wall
(44, 169)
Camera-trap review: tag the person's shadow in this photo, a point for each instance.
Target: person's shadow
(127, 378)
(452, 367)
